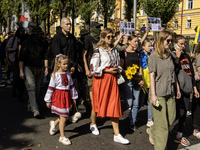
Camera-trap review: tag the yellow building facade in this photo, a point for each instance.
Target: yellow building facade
(184, 21)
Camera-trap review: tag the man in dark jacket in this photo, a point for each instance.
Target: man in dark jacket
(64, 42)
(33, 57)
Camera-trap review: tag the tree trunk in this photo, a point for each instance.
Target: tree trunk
(73, 17)
(8, 24)
(0, 27)
(43, 26)
(105, 20)
(63, 13)
(37, 20)
(48, 24)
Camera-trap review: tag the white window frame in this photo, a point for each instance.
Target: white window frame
(189, 23)
(189, 4)
(176, 24)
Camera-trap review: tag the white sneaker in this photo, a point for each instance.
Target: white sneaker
(120, 139)
(94, 129)
(149, 123)
(52, 129)
(64, 141)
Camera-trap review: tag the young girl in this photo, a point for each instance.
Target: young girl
(146, 46)
(59, 95)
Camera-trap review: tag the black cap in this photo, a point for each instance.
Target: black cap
(96, 24)
(84, 31)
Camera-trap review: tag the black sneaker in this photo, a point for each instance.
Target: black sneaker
(135, 129)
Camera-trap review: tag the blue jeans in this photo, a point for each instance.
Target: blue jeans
(131, 91)
(144, 97)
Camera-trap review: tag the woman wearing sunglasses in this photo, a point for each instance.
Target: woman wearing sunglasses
(162, 96)
(105, 92)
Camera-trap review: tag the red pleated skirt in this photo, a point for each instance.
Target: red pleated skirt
(105, 96)
(61, 102)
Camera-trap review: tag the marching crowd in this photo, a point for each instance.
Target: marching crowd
(111, 72)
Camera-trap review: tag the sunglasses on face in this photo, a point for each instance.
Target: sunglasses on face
(109, 37)
(169, 40)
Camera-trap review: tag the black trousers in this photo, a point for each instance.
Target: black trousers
(196, 110)
(181, 110)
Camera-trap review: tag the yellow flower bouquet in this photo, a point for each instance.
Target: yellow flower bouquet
(131, 71)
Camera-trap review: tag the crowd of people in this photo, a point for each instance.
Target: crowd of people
(111, 72)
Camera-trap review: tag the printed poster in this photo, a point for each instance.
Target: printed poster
(127, 27)
(154, 24)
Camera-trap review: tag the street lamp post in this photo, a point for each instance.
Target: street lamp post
(134, 12)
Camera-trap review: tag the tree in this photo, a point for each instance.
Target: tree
(107, 9)
(164, 9)
(86, 11)
(128, 14)
(7, 8)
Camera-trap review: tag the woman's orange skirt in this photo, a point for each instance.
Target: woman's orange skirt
(105, 96)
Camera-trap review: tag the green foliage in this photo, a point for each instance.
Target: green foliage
(164, 9)
(38, 8)
(7, 8)
(107, 8)
(86, 11)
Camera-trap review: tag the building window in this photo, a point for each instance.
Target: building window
(188, 23)
(175, 24)
(189, 4)
(13, 18)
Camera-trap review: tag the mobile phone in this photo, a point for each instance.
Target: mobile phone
(176, 46)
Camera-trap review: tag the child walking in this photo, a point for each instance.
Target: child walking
(59, 96)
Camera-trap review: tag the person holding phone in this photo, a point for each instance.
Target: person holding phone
(162, 83)
(183, 62)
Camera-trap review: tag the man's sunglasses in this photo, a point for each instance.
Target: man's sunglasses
(109, 37)
(169, 40)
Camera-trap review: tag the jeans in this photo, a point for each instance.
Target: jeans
(143, 98)
(32, 84)
(131, 91)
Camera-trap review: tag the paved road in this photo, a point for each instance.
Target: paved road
(19, 130)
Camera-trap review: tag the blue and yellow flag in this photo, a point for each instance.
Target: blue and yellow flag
(197, 37)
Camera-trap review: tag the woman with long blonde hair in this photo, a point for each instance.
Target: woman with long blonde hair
(104, 66)
(162, 96)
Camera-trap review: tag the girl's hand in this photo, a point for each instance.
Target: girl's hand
(153, 99)
(48, 105)
(74, 102)
(141, 83)
(178, 94)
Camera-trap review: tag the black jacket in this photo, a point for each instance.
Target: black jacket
(65, 45)
(34, 53)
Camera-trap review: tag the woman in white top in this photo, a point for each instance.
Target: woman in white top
(105, 92)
